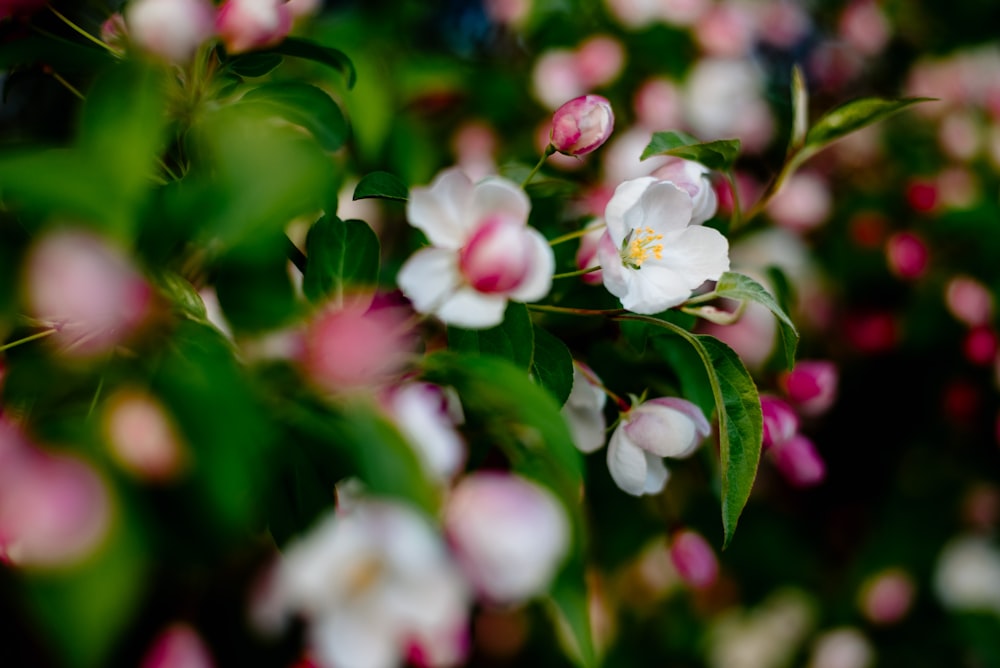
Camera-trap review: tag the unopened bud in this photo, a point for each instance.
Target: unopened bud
(582, 124)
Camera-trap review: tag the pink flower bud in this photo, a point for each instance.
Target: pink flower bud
(178, 646)
(170, 29)
(812, 386)
(114, 32)
(969, 301)
(142, 437)
(780, 421)
(582, 124)
(599, 60)
(799, 462)
(245, 25)
(907, 254)
(980, 345)
(886, 597)
(694, 559)
(497, 257)
(922, 196)
(510, 535)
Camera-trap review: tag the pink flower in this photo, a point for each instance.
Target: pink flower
(812, 386)
(694, 559)
(887, 596)
(798, 461)
(658, 428)
(582, 125)
(584, 410)
(510, 535)
(427, 415)
(599, 60)
(483, 253)
(178, 646)
(780, 421)
(142, 437)
(694, 179)
(245, 25)
(170, 29)
(907, 254)
(969, 301)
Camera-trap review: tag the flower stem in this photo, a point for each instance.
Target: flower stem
(297, 257)
(579, 272)
(593, 380)
(80, 30)
(30, 337)
(569, 236)
(67, 85)
(549, 150)
(575, 311)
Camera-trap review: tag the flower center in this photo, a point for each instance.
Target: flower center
(638, 245)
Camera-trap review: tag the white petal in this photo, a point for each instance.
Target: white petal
(613, 271)
(441, 210)
(429, 277)
(538, 282)
(495, 195)
(626, 196)
(353, 638)
(653, 289)
(698, 254)
(656, 474)
(663, 207)
(472, 310)
(660, 430)
(627, 464)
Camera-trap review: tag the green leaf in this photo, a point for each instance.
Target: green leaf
(569, 596)
(382, 185)
(737, 286)
(341, 254)
(305, 105)
(57, 182)
(720, 154)
(316, 52)
(737, 405)
(552, 365)
(256, 294)
(513, 339)
(253, 64)
(852, 116)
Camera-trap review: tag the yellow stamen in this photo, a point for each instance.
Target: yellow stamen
(638, 245)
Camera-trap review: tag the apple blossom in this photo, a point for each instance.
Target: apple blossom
(427, 416)
(142, 437)
(483, 253)
(694, 179)
(694, 558)
(178, 646)
(584, 410)
(245, 25)
(907, 255)
(780, 421)
(798, 461)
(844, 647)
(651, 257)
(170, 29)
(885, 597)
(582, 125)
(374, 584)
(510, 534)
(811, 386)
(658, 428)
(967, 574)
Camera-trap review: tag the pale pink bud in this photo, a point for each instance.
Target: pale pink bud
(907, 254)
(780, 421)
(584, 409)
(475, 146)
(245, 25)
(178, 646)
(969, 301)
(87, 289)
(555, 78)
(497, 257)
(812, 386)
(803, 203)
(599, 61)
(142, 437)
(357, 345)
(510, 535)
(658, 104)
(694, 559)
(886, 597)
(666, 426)
(865, 27)
(798, 461)
(725, 31)
(960, 134)
(170, 29)
(582, 125)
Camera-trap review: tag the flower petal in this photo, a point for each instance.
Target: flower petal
(361, 638)
(657, 474)
(541, 265)
(697, 253)
(662, 206)
(428, 277)
(613, 271)
(441, 210)
(662, 430)
(625, 197)
(627, 464)
(653, 289)
(472, 310)
(496, 195)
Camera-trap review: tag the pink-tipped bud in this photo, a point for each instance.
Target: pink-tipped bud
(582, 124)
(799, 462)
(497, 258)
(694, 559)
(245, 25)
(907, 254)
(780, 421)
(812, 386)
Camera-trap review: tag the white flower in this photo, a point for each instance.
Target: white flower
(510, 534)
(482, 254)
(658, 428)
(584, 411)
(651, 256)
(170, 29)
(375, 583)
(426, 415)
(967, 574)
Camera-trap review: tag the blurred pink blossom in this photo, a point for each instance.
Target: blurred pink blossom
(887, 596)
(555, 78)
(980, 345)
(969, 300)
(170, 29)
(724, 99)
(142, 437)
(922, 195)
(803, 203)
(865, 27)
(584, 409)
(780, 421)
(428, 416)
(178, 646)
(586, 254)
(9, 8)
(599, 60)
(907, 254)
(798, 461)
(657, 104)
(510, 535)
(842, 647)
(694, 559)
(246, 25)
(508, 12)
(811, 386)
(726, 30)
(474, 145)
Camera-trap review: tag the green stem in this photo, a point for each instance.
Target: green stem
(575, 311)
(569, 236)
(579, 272)
(593, 380)
(31, 337)
(67, 85)
(80, 30)
(700, 299)
(549, 150)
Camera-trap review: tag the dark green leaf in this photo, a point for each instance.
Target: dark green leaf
(305, 105)
(340, 254)
(720, 154)
(382, 185)
(256, 295)
(852, 116)
(64, 56)
(513, 339)
(569, 595)
(737, 286)
(325, 55)
(253, 64)
(552, 365)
